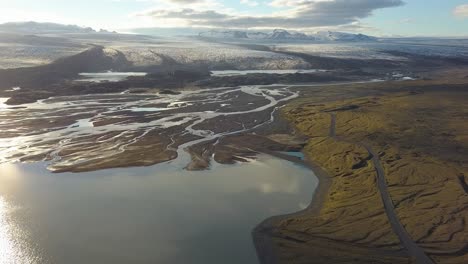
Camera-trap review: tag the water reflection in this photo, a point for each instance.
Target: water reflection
(15, 244)
(2, 103)
(9, 252)
(157, 214)
(245, 72)
(108, 76)
(6, 248)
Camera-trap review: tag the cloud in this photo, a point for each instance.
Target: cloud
(178, 3)
(292, 3)
(249, 2)
(405, 21)
(21, 15)
(188, 13)
(298, 14)
(185, 1)
(461, 11)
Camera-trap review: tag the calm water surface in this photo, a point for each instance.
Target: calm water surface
(107, 76)
(158, 214)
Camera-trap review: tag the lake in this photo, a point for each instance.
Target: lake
(245, 72)
(158, 214)
(107, 76)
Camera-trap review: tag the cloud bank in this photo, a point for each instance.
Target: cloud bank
(461, 11)
(293, 14)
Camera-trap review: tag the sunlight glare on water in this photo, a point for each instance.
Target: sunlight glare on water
(8, 253)
(15, 240)
(2, 103)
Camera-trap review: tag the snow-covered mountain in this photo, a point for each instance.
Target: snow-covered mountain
(281, 34)
(233, 34)
(44, 28)
(256, 35)
(340, 36)
(284, 35)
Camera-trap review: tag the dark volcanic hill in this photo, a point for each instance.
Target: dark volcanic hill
(92, 60)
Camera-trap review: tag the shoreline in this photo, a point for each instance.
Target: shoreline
(261, 234)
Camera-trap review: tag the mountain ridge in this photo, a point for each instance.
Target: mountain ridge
(284, 35)
(32, 27)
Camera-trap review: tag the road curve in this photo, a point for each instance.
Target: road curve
(416, 252)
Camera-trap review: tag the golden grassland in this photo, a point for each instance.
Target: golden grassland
(422, 141)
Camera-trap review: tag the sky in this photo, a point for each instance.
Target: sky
(374, 17)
